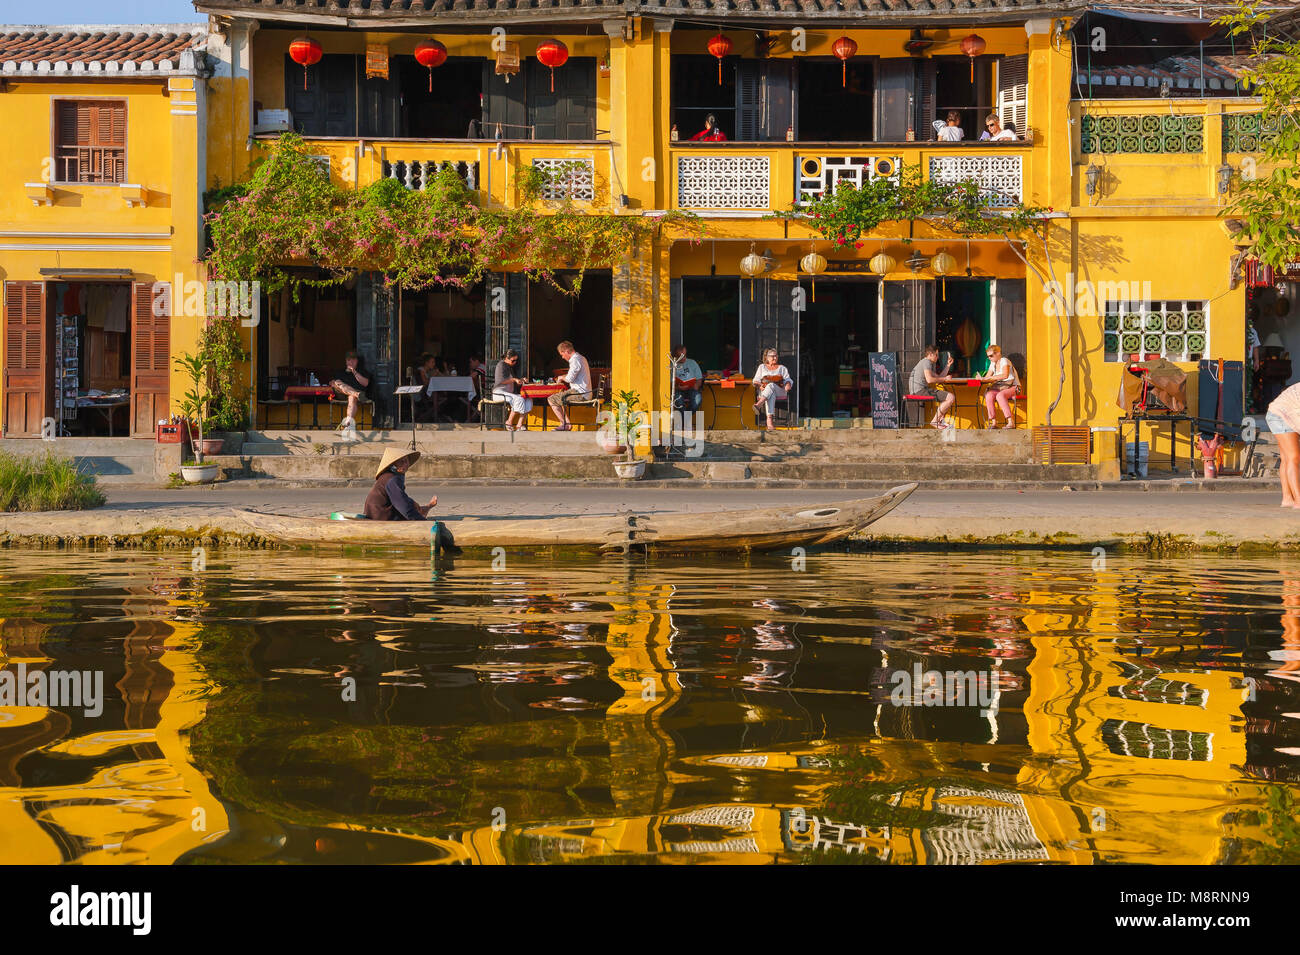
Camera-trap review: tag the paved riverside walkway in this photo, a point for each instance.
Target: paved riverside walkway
(931, 517)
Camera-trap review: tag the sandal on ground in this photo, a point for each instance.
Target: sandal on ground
(563, 427)
(1009, 424)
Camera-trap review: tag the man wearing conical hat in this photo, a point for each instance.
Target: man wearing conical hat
(388, 500)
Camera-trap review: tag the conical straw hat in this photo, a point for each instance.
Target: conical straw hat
(392, 456)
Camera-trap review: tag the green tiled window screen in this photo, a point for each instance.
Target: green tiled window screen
(1175, 330)
(1248, 132)
(1146, 133)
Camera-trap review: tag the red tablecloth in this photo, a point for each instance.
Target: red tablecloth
(304, 392)
(541, 391)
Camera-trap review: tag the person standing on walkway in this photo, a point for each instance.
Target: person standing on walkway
(578, 381)
(1284, 421)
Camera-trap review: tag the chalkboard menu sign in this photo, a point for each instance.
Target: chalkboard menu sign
(884, 389)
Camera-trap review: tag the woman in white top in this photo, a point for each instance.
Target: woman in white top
(771, 382)
(993, 129)
(1005, 386)
(951, 132)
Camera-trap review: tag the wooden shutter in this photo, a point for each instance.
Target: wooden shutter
(27, 358)
(909, 320)
(749, 101)
(927, 110)
(895, 81)
(328, 105)
(151, 344)
(778, 98)
(380, 105)
(1013, 92)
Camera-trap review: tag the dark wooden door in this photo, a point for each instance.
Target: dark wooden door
(1011, 323)
(151, 341)
(328, 105)
(27, 358)
(769, 321)
(570, 111)
(379, 104)
(909, 321)
(779, 84)
(504, 104)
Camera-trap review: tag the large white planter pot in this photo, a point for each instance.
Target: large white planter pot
(199, 473)
(629, 470)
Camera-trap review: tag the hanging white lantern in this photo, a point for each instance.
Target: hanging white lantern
(882, 263)
(751, 266)
(814, 264)
(941, 265)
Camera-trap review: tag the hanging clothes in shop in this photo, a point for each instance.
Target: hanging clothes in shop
(99, 302)
(119, 310)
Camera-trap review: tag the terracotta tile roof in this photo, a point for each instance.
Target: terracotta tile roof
(99, 49)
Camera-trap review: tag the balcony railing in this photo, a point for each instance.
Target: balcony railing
(745, 179)
(91, 163)
(418, 173)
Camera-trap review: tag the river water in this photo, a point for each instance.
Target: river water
(886, 708)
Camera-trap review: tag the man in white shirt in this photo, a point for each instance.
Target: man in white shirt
(690, 381)
(578, 379)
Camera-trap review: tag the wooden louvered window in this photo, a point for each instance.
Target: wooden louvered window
(90, 140)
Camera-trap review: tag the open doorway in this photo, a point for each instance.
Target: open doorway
(835, 334)
(451, 108)
(967, 92)
(696, 93)
(442, 338)
(962, 311)
(836, 105)
(586, 319)
(710, 322)
(91, 346)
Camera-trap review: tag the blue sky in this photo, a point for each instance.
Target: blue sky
(100, 11)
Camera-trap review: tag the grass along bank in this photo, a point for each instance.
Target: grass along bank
(45, 483)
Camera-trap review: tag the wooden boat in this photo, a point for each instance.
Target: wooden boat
(766, 528)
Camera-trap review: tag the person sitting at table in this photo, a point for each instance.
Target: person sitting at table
(710, 133)
(351, 383)
(388, 500)
(690, 381)
(951, 131)
(925, 375)
(993, 129)
(506, 385)
(1005, 386)
(732, 364)
(578, 382)
(772, 381)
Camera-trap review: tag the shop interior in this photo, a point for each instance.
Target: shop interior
(91, 339)
(1272, 312)
(305, 338)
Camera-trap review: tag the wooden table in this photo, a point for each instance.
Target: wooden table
(542, 392)
(300, 393)
(973, 386)
(719, 385)
(451, 384)
(107, 407)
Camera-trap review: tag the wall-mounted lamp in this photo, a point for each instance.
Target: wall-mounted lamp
(1225, 178)
(1093, 176)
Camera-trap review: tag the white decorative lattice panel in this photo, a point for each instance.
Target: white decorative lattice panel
(723, 182)
(1177, 330)
(1000, 178)
(814, 175)
(568, 178)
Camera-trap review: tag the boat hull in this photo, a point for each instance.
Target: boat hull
(768, 528)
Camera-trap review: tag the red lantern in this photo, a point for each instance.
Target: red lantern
(305, 52)
(844, 48)
(973, 46)
(719, 46)
(430, 53)
(552, 53)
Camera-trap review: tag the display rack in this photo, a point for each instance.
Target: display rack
(67, 372)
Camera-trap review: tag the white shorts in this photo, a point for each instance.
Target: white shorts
(518, 403)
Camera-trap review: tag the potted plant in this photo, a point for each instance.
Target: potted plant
(195, 408)
(628, 419)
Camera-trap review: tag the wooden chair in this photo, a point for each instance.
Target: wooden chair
(598, 396)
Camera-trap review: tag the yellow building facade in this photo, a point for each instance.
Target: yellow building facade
(804, 102)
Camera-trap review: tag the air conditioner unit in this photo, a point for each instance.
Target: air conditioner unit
(273, 121)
